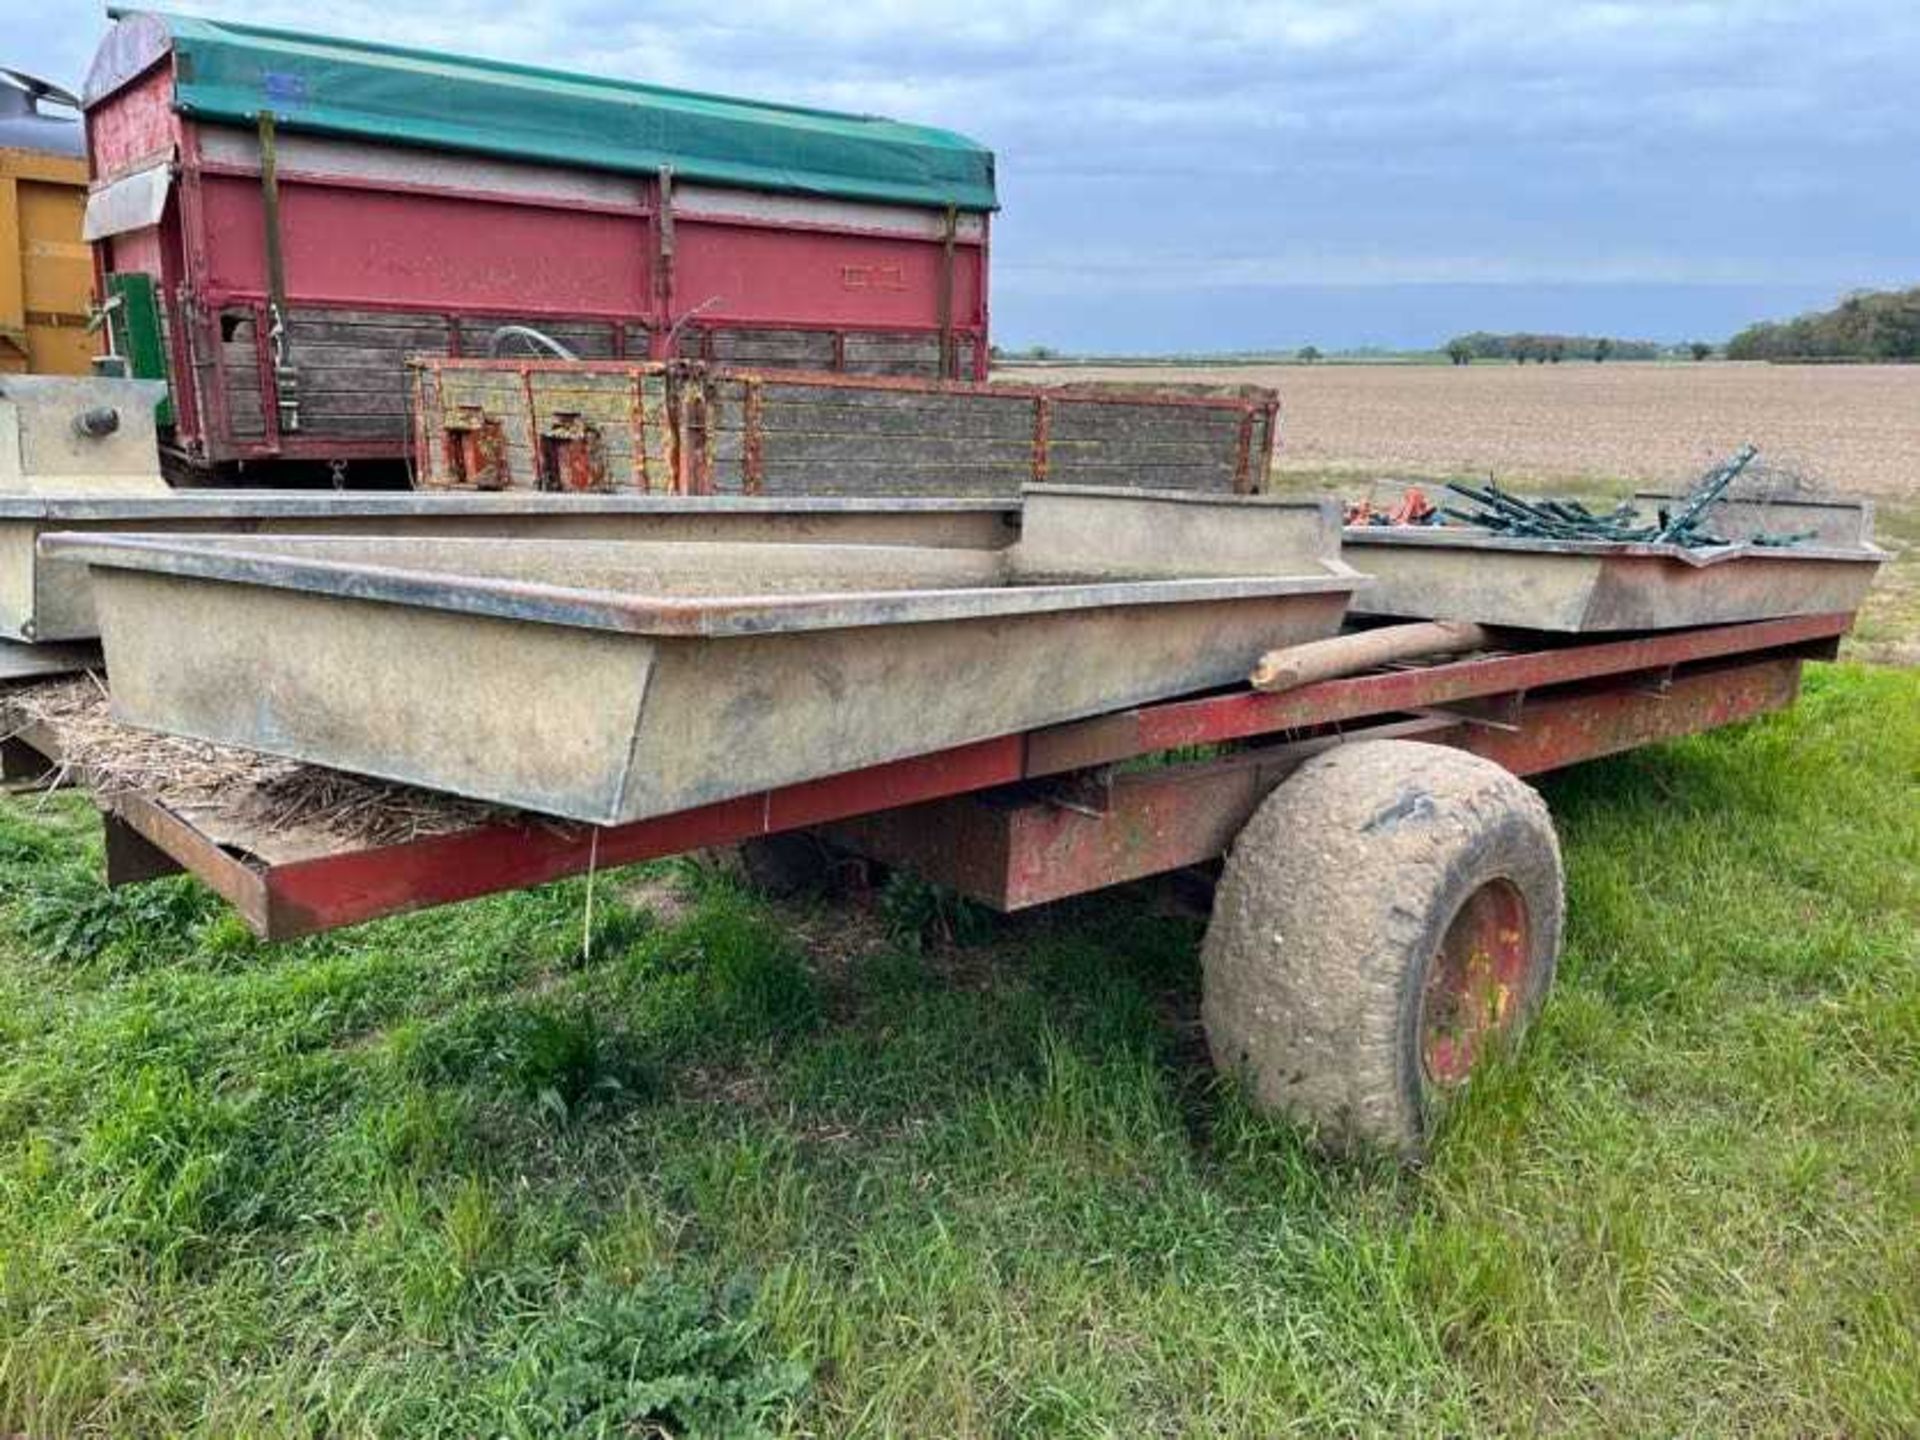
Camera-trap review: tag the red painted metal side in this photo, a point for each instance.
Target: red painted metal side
(139, 128)
(1243, 713)
(1583, 726)
(1015, 855)
(422, 247)
(324, 894)
(138, 252)
(754, 276)
(356, 247)
(136, 126)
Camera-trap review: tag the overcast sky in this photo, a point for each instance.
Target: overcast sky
(1201, 176)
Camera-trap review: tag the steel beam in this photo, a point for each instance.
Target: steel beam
(1244, 713)
(1015, 852)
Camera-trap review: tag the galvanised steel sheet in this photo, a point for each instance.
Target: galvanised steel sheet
(1449, 573)
(608, 681)
(47, 598)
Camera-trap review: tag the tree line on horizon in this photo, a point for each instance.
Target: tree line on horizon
(1866, 325)
(1522, 347)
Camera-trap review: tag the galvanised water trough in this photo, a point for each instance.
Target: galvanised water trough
(611, 681)
(1457, 572)
(45, 598)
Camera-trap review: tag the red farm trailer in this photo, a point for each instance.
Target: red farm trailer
(278, 220)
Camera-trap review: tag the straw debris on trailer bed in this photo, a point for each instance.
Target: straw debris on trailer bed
(256, 793)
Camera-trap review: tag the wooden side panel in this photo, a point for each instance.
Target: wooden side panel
(1167, 448)
(869, 353)
(833, 440)
(856, 352)
(352, 368)
(771, 349)
(588, 339)
(240, 368)
(751, 431)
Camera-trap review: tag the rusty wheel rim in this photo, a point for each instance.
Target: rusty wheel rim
(1475, 982)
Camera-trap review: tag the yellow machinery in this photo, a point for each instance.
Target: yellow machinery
(46, 276)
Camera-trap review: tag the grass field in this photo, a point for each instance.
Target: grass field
(749, 1169)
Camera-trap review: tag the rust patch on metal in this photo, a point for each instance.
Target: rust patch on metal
(637, 427)
(421, 457)
(1474, 983)
(1042, 437)
(573, 455)
(1243, 463)
(475, 450)
(701, 421)
(752, 464)
(533, 423)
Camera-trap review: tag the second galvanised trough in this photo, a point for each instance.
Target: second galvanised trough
(610, 681)
(1664, 562)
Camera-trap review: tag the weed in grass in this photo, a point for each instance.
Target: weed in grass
(917, 912)
(660, 1359)
(725, 978)
(73, 918)
(555, 1052)
(28, 847)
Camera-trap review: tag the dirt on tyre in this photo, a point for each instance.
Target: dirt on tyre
(1389, 914)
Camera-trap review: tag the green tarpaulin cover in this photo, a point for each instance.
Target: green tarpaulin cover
(418, 97)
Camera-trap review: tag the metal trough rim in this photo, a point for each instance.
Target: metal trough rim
(270, 504)
(1460, 537)
(627, 613)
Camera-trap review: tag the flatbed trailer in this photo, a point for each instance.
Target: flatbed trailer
(1027, 818)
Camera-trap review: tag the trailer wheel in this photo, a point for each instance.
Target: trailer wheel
(1390, 912)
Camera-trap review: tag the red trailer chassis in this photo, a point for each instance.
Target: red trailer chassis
(1023, 819)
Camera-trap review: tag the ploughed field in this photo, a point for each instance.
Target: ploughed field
(1854, 428)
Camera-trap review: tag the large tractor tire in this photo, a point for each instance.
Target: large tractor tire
(1389, 914)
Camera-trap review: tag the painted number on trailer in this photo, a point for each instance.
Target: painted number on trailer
(872, 277)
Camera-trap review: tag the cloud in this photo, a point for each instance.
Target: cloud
(1161, 144)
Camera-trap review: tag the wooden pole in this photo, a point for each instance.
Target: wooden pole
(1330, 659)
